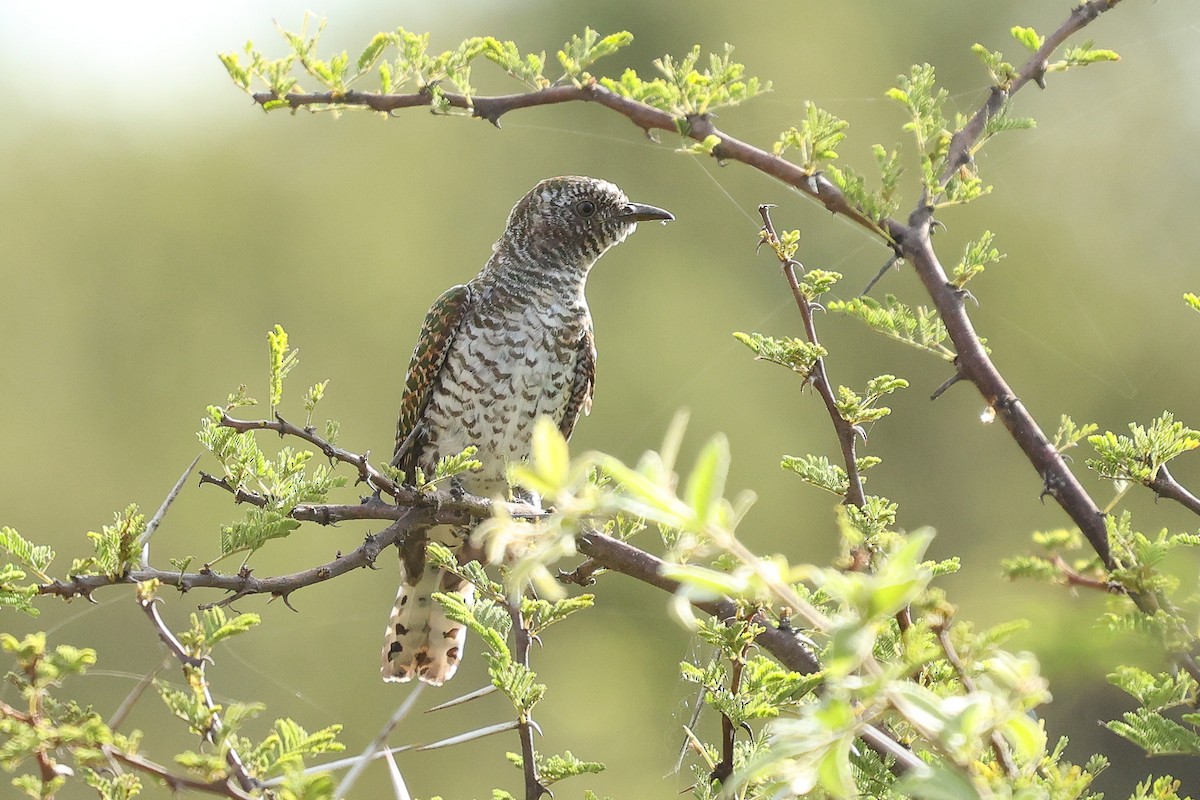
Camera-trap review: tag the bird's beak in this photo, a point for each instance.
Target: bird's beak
(636, 212)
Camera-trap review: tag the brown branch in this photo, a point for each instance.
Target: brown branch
(781, 642)
(1165, 485)
(696, 127)
(972, 361)
(149, 604)
(976, 365)
(367, 473)
(193, 671)
(244, 583)
(847, 434)
(174, 782)
(534, 788)
(1033, 69)
(724, 767)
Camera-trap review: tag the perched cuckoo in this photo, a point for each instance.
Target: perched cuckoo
(513, 344)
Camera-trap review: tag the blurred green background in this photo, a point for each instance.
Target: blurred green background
(154, 225)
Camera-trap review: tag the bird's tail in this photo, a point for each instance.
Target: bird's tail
(421, 641)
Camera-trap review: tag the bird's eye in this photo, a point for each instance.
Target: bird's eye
(585, 208)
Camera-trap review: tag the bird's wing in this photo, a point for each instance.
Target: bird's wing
(437, 334)
(583, 385)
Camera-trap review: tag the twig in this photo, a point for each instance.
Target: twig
(724, 767)
(847, 434)
(174, 782)
(1074, 578)
(445, 507)
(244, 583)
(534, 788)
(367, 473)
(1165, 485)
(1034, 69)
(193, 670)
(999, 747)
(149, 605)
(583, 575)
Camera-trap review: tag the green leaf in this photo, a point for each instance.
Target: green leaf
(706, 483)
(796, 354)
(1002, 73)
(1156, 734)
(1155, 692)
(816, 138)
(1083, 54)
(918, 327)
(1069, 434)
(1028, 37)
(549, 465)
(282, 361)
(118, 545)
(36, 558)
(1139, 457)
(371, 53)
(582, 51)
(976, 256)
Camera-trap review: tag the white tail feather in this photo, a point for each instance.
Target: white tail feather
(421, 640)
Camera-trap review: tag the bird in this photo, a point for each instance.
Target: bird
(493, 355)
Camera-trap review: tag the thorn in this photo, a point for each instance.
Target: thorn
(815, 306)
(286, 597)
(860, 431)
(1049, 487)
(934, 224)
(939, 391)
(964, 292)
(891, 262)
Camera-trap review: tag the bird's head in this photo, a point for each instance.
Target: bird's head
(574, 218)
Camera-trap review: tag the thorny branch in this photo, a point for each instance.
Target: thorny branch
(534, 788)
(724, 768)
(999, 746)
(847, 434)
(174, 782)
(193, 670)
(1165, 485)
(244, 583)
